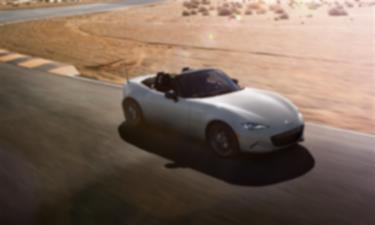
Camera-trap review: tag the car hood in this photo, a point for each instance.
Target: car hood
(257, 106)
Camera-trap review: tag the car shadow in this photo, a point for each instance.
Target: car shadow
(246, 169)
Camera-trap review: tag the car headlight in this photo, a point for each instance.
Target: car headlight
(300, 116)
(254, 126)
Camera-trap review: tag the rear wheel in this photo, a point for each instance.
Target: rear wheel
(132, 112)
(222, 140)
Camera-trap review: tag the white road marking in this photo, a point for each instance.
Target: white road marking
(10, 57)
(3, 51)
(35, 62)
(65, 70)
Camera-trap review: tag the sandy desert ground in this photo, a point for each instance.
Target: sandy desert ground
(323, 63)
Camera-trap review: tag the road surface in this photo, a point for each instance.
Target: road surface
(14, 16)
(66, 157)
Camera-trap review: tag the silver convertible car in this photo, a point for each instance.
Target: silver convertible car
(209, 105)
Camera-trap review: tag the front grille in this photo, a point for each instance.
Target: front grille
(288, 137)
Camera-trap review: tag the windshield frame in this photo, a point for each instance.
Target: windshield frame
(184, 82)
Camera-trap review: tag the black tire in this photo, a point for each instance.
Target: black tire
(222, 140)
(132, 113)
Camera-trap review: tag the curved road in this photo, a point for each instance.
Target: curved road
(15, 16)
(66, 157)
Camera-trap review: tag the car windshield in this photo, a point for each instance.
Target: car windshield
(206, 83)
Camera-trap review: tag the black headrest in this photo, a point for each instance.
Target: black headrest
(163, 78)
(185, 69)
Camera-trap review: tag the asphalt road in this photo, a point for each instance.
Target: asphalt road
(13, 16)
(66, 157)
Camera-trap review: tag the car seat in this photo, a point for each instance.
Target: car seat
(163, 82)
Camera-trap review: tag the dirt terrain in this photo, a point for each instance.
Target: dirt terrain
(321, 57)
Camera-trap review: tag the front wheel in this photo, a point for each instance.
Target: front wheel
(222, 140)
(132, 113)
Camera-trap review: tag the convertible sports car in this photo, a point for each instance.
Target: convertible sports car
(208, 104)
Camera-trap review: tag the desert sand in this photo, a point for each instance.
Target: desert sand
(321, 57)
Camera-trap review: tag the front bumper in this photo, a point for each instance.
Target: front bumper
(262, 142)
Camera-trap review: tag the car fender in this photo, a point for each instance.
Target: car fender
(202, 114)
(136, 90)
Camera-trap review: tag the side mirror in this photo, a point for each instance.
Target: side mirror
(171, 95)
(235, 81)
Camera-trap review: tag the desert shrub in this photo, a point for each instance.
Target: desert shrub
(261, 11)
(280, 11)
(192, 4)
(313, 5)
(206, 2)
(284, 16)
(292, 3)
(237, 5)
(206, 13)
(255, 6)
(195, 6)
(187, 4)
(202, 9)
(276, 8)
(223, 11)
(248, 12)
(337, 11)
(185, 13)
(349, 4)
(235, 11)
(273, 7)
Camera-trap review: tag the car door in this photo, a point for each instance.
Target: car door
(166, 112)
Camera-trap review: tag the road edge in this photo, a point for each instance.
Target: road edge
(37, 63)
